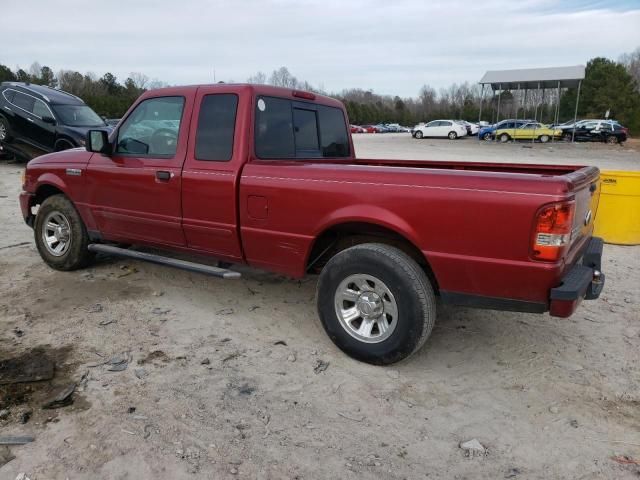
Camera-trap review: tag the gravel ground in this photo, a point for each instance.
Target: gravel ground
(225, 379)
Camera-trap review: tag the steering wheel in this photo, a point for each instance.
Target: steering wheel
(163, 142)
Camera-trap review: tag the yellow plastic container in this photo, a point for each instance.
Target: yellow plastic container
(618, 216)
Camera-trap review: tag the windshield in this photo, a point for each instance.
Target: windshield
(78, 116)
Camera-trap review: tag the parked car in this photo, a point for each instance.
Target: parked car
(371, 129)
(385, 236)
(599, 131)
(356, 129)
(472, 128)
(43, 118)
(440, 128)
(528, 131)
(488, 133)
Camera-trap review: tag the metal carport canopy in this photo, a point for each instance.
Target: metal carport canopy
(530, 78)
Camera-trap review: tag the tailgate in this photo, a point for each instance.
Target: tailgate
(585, 185)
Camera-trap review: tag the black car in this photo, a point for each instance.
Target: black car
(596, 131)
(42, 119)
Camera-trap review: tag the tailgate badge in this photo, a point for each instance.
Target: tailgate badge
(587, 218)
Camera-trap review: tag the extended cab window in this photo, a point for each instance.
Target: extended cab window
(216, 124)
(293, 129)
(152, 128)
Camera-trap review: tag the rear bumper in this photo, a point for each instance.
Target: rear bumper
(26, 202)
(584, 280)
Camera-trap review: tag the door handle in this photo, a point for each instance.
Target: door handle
(163, 175)
(30, 119)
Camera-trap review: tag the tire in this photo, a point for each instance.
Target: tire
(58, 254)
(487, 137)
(418, 134)
(543, 138)
(567, 137)
(504, 138)
(395, 284)
(63, 145)
(5, 130)
(452, 135)
(612, 140)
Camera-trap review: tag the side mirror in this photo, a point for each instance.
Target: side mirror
(97, 141)
(49, 120)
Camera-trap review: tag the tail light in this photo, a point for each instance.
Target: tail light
(552, 233)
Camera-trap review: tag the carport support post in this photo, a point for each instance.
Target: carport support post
(480, 114)
(575, 115)
(498, 114)
(556, 118)
(535, 115)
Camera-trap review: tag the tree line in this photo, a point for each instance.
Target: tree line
(609, 85)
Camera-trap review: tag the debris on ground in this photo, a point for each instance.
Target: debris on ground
(4, 413)
(231, 357)
(160, 311)
(574, 423)
(106, 322)
(30, 367)
(118, 363)
(5, 455)
(554, 409)
(225, 311)
(25, 416)
(95, 308)
(320, 366)
(280, 342)
(22, 476)
(16, 439)
(512, 473)
(473, 448)
(291, 358)
(18, 332)
(140, 373)
(625, 460)
(205, 361)
(63, 398)
(127, 270)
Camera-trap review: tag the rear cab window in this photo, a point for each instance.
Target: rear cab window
(288, 129)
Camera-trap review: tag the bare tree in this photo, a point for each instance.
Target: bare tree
(258, 78)
(140, 80)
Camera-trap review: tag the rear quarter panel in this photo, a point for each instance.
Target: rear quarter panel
(474, 228)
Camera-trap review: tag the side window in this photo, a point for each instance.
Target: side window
(432, 124)
(152, 128)
(333, 132)
(445, 124)
(305, 128)
(40, 109)
(8, 95)
(216, 126)
(23, 101)
(606, 127)
(274, 128)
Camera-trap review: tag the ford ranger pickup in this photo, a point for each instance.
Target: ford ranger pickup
(268, 177)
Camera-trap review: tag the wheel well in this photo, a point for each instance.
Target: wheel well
(64, 139)
(343, 236)
(44, 192)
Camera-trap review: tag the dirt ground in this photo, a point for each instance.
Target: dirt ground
(221, 377)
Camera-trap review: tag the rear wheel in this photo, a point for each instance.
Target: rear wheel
(452, 135)
(376, 303)
(504, 138)
(60, 234)
(612, 140)
(418, 134)
(543, 138)
(567, 137)
(5, 130)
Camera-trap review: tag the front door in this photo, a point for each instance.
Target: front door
(42, 133)
(134, 194)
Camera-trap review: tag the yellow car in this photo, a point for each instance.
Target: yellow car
(528, 131)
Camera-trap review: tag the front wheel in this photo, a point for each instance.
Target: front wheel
(543, 138)
(376, 303)
(5, 130)
(452, 135)
(60, 234)
(487, 137)
(418, 134)
(504, 138)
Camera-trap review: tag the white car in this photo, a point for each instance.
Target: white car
(440, 128)
(472, 128)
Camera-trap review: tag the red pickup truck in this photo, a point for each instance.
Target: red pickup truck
(267, 177)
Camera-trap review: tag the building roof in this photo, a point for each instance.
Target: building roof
(534, 78)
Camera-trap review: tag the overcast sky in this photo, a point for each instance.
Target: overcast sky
(390, 46)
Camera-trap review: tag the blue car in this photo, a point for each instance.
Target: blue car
(488, 133)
